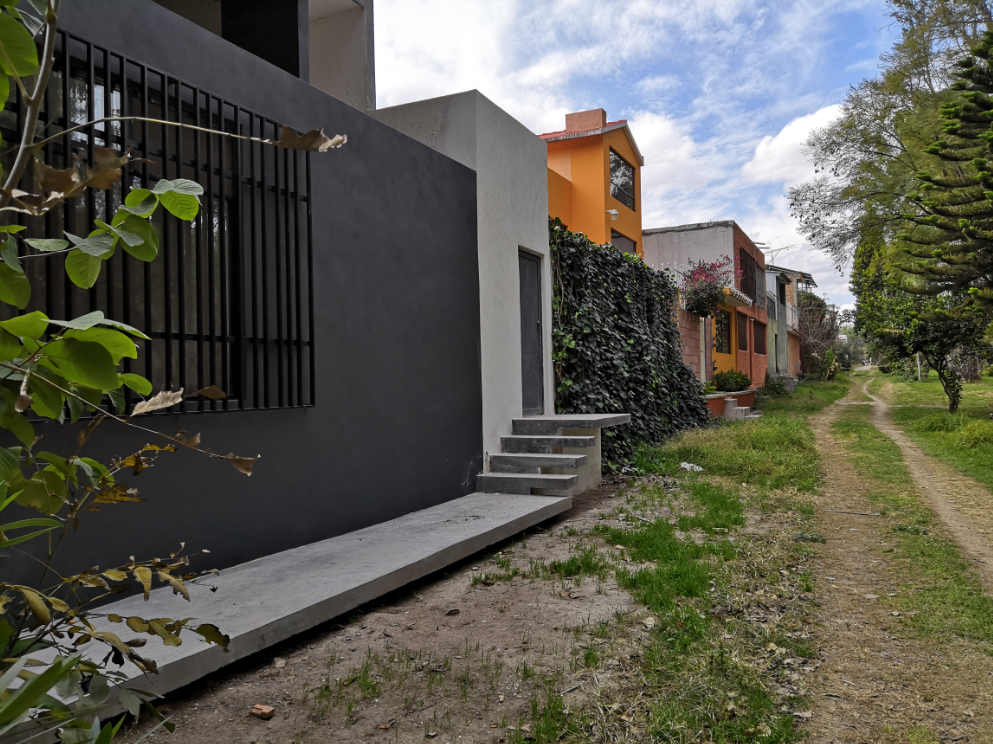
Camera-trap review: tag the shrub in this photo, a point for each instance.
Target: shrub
(976, 434)
(940, 422)
(703, 287)
(732, 381)
(616, 346)
(885, 369)
(773, 386)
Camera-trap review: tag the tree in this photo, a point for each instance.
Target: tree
(818, 323)
(903, 325)
(65, 371)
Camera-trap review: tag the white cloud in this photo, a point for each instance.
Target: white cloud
(780, 158)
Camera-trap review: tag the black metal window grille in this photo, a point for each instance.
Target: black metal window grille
(621, 180)
(742, 332)
(771, 305)
(722, 332)
(229, 299)
(748, 271)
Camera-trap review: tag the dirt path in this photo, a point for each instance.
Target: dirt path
(962, 503)
(876, 684)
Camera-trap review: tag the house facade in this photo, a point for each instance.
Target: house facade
(786, 285)
(594, 179)
(738, 336)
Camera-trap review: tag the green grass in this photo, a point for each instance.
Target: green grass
(955, 440)
(942, 598)
(772, 452)
(810, 396)
(929, 393)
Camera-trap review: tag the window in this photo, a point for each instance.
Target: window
(742, 332)
(621, 180)
(782, 294)
(722, 332)
(623, 243)
(760, 338)
(748, 270)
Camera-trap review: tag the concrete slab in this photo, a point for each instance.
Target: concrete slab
(268, 600)
(553, 424)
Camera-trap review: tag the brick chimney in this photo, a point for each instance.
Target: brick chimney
(582, 121)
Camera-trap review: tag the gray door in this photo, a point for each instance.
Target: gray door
(532, 373)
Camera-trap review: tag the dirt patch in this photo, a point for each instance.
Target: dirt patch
(963, 504)
(876, 684)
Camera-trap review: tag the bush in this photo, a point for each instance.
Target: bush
(732, 381)
(885, 369)
(940, 422)
(976, 434)
(616, 346)
(773, 385)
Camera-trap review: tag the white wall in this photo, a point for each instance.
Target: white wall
(342, 56)
(676, 249)
(512, 210)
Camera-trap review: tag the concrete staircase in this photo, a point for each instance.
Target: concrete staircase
(734, 412)
(537, 446)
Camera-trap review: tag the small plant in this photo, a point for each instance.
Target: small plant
(774, 386)
(732, 381)
(709, 388)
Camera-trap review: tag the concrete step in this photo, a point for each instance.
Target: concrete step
(263, 602)
(555, 424)
(521, 482)
(532, 462)
(529, 443)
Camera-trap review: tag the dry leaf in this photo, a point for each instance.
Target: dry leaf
(213, 392)
(241, 464)
(107, 169)
(51, 180)
(313, 141)
(23, 403)
(163, 399)
(189, 441)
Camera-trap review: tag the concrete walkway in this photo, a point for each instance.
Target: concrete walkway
(265, 601)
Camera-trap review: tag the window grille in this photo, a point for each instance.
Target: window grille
(621, 180)
(722, 332)
(760, 343)
(229, 299)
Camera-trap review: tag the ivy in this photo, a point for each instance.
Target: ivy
(616, 345)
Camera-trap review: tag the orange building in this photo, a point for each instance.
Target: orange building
(594, 179)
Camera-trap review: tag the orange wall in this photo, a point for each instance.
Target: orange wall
(579, 184)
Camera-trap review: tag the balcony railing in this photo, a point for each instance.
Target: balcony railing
(229, 300)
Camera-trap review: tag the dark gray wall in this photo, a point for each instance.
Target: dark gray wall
(397, 426)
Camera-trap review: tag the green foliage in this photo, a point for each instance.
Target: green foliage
(975, 434)
(773, 386)
(732, 381)
(829, 367)
(616, 345)
(939, 435)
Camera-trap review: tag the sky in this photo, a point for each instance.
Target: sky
(720, 94)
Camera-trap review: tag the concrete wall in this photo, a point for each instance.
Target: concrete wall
(397, 421)
(677, 248)
(695, 337)
(342, 51)
(204, 13)
(512, 193)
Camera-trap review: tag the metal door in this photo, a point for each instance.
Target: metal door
(532, 368)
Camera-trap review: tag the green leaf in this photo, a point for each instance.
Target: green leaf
(46, 244)
(82, 322)
(26, 697)
(129, 701)
(84, 362)
(117, 399)
(14, 422)
(113, 341)
(98, 243)
(4, 90)
(9, 464)
(9, 254)
(33, 325)
(48, 524)
(20, 47)
(178, 186)
(44, 491)
(137, 383)
(148, 248)
(181, 206)
(83, 269)
(15, 289)
(4, 229)
(124, 327)
(76, 409)
(129, 238)
(10, 348)
(140, 202)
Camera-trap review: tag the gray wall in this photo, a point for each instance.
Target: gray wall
(675, 248)
(342, 51)
(511, 164)
(399, 408)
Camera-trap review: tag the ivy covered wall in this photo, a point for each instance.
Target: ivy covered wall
(616, 344)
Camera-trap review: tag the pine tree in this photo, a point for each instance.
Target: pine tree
(950, 246)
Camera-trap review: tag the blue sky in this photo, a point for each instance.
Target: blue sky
(720, 94)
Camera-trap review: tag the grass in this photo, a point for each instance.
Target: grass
(929, 393)
(964, 441)
(943, 598)
(810, 396)
(772, 452)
